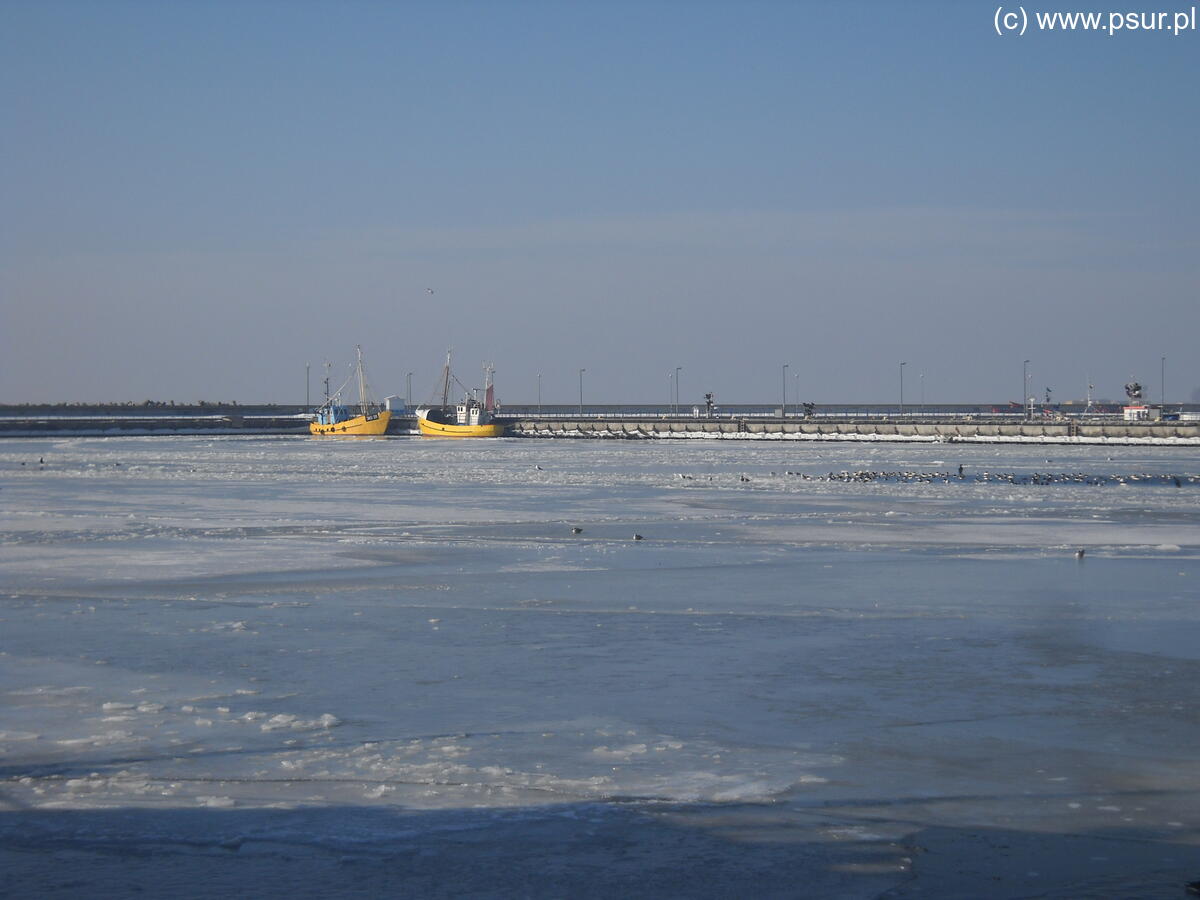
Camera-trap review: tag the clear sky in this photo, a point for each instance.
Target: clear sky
(197, 199)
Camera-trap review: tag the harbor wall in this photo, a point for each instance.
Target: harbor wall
(101, 426)
(1069, 432)
(81, 426)
(1109, 431)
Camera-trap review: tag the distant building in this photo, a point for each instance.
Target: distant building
(1143, 413)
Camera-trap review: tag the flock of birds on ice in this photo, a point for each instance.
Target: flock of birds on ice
(863, 476)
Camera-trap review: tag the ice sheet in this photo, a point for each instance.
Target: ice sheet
(409, 633)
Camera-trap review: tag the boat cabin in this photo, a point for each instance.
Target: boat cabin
(471, 412)
(333, 413)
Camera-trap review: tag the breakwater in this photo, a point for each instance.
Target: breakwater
(102, 425)
(967, 431)
(294, 421)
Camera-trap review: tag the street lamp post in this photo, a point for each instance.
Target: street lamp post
(1025, 390)
(581, 371)
(408, 391)
(670, 390)
(678, 369)
(902, 365)
(796, 392)
(539, 395)
(784, 407)
(1162, 382)
(307, 385)
(922, 412)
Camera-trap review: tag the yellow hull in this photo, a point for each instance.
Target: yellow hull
(358, 426)
(437, 429)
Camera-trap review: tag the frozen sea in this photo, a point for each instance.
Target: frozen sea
(391, 667)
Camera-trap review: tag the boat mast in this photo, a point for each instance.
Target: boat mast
(446, 382)
(362, 382)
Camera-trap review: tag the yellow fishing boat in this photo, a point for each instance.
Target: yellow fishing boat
(336, 419)
(430, 427)
(470, 418)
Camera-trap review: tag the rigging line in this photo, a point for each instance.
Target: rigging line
(336, 396)
(459, 383)
(338, 393)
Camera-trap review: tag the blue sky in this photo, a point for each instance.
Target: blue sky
(200, 198)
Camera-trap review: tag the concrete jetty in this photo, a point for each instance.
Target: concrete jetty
(928, 431)
(113, 425)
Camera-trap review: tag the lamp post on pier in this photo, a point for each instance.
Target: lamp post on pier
(1025, 390)
(539, 395)
(408, 391)
(902, 365)
(1162, 382)
(678, 369)
(581, 371)
(784, 407)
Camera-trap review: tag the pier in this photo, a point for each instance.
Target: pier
(1068, 431)
(847, 423)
